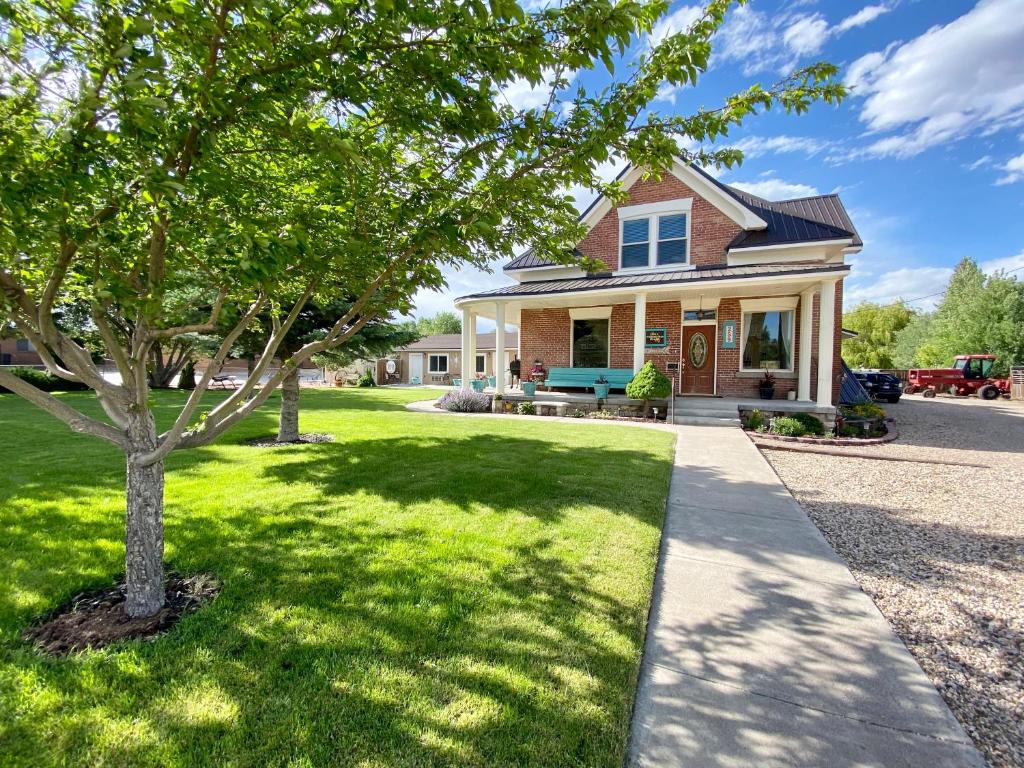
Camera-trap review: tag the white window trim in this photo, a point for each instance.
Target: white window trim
(607, 317)
(439, 355)
(652, 212)
(781, 304)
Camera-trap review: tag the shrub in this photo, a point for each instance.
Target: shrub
(46, 381)
(754, 421)
(787, 426)
(366, 380)
(578, 413)
(648, 384)
(812, 424)
(602, 415)
(526, 408)
(460, 401)
(863, 411)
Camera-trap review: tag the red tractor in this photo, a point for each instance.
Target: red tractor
(968, 376)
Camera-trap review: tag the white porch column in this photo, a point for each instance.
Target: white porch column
(803, 386)
(826, 341)
(468, 348)
(639, 327)
(499, 347)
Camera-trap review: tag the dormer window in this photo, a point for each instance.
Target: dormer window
(654, 236)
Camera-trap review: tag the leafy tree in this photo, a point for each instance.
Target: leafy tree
(312, 324)
(876, 326)
(267, 149)
(913, 349)
(442, 322)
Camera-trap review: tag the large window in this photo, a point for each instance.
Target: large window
(590, 343)
(437, 363)
(654, 241)
(768, 340)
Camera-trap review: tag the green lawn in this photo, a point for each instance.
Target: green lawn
(427, 590)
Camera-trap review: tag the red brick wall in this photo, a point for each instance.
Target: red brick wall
(711, 231)
(545, 334)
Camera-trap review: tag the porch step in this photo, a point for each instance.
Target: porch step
(707, 421)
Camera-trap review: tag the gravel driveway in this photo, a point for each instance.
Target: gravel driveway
(940, 549)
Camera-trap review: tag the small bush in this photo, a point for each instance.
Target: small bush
(754, 421)
(187, 378)
(602, 415)
(863, 411)
(787, 426)
(366, 380)
(46, 381)
(459, 401)
(648, 384)
(526, 408)
(578, 413)
(812, 424)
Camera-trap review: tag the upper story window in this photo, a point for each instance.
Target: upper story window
(655, 235)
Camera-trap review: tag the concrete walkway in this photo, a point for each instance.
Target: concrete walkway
(761, 648)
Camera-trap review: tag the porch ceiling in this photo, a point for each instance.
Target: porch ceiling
(693, 290)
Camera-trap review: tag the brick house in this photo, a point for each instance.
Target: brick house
(712, 284)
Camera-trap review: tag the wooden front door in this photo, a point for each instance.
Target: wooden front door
(699, 360)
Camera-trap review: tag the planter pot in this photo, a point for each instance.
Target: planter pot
(529, 388)
(497, 405)
(791, 395)
(477, 385)
(767, 393)
(601, 391)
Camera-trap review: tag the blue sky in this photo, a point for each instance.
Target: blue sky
(927, 155)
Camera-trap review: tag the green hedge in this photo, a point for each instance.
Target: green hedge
(45, 381)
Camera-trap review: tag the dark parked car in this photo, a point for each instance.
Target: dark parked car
(881, 386)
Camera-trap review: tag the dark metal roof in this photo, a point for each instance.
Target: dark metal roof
(681, 277)
(800, 220)
(484, 341)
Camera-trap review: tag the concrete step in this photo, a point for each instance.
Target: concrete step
(707, 421)
(715, 413)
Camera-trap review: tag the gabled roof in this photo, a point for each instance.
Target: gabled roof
(812, 219)
(444, 341)
(681, 277)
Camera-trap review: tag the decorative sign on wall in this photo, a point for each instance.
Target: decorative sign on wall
(655, 337)
(728, 334)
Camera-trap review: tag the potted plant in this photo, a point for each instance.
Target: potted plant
(766, 387)
(601, 388)
(497, 403)
(530, 388)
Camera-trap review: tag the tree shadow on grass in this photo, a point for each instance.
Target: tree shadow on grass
(429, 602)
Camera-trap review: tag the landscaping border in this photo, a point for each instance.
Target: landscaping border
(427, 406)
(888, 437)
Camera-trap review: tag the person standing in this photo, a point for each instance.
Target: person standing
(515, 368)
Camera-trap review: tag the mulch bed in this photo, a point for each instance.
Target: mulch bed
(96, 618)
(306, 438)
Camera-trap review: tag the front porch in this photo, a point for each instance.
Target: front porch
(711, 332)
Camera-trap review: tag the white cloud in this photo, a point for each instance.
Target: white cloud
(806, 35)
(1014, 170)
(755, 146)
(677, 21)
(981, 162)
(954, 80)
(906, 283)
(774, 189)
(865, 15)
(1004, 264)
(759, 41)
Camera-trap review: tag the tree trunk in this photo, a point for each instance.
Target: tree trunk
(288, 431)
(144, 527)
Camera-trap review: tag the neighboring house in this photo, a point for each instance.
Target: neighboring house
(18, 352)
(437, 359)
(712, 284)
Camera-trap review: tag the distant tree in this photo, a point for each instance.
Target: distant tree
(314, 321)
(980, 314)
(913, 348)
(442, 322)
(876, 326)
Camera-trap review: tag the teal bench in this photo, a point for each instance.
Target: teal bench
(618, 378)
